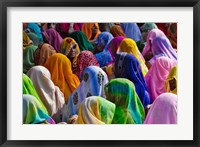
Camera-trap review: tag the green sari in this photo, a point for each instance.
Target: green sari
(129, 109)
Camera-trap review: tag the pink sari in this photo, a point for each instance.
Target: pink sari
(163, 110)
(156, 76)
(151, 36)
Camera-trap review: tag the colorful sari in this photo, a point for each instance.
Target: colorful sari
(104, 57)
(42, 53)
(128, 45)
(172, 75)
(28, 88)
(34, 27)
(61, 74)
(92, 84)
(96, 110)
(162, 45)
(127, 66)
(33, 112)
(87, 30)
(132, 31)
(26, 40)
(28, 57)
(157, 75)
(129, 109)
(85, 59)
(53, 38)
(62, 28)
(82, 40)
(34, 38)
(116, 30)
(65, 48)
(150, 37)
(163, 110)
(49, 94)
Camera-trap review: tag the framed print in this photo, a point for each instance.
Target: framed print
(17, 13)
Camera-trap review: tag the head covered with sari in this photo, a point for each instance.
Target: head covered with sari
(82, 40)
(128, 45)
(49, 94)
(28, 57)
(163, 110)
(96, 110)
(114, 46)
(162, 45)
(87, 29)
(132, 31)
(117, 30)
(53, 38)
(33, 112)
(61, 74)
(42, 53)
(127, 66)
(150, 37)
(85, 59)
(26, 40)
(104, 57)
(34, 38)
(157, 75)
(70, 48)
(93, 80)
(171, 79)
(28, 88)
(129, 109)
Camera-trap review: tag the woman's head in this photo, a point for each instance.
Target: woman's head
(103, 40)
(69, 47)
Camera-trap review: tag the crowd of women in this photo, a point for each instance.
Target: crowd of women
(100, 73)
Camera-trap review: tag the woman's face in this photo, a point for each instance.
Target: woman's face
(73, 50)
(99, 47)
(172, 84)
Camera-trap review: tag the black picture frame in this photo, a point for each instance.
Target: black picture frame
(4, 4)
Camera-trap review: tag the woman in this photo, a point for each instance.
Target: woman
(82, 41)
(34, 27)
(128, 45)
(85, 59)
(92, 84)
(163, 110)
(28, 88)
(70, 48)
(64, 29)
(34, 38)
(116, 30)
(26, 40)
(42, 53)
(33, 112)
(96, 110)
(162, 47)
(61, 74)
(129, 109)
(132, 31)
(157, 75)
(49, 94)
(91, 30)
(28, 57)
(53, 38)
(147, 51)
(171, 81)
(113, 49)
(101, 48)
(127, 66)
